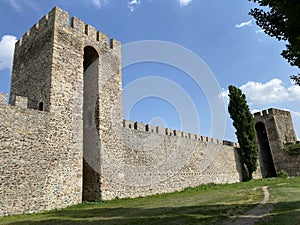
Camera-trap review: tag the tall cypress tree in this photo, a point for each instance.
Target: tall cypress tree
(244, 124)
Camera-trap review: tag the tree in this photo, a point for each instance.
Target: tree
(244, 124)
(281, 20)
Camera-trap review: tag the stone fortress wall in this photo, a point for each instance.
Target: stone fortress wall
(64, 141)
(41, 156)
(37, 172)
(151, 160)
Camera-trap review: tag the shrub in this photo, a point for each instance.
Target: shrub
(292, 149)
(283, 174)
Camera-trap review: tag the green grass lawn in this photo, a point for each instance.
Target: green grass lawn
(207, 204)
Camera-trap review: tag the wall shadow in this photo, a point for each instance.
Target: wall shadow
(210, 214)
(266, 158)
(91, 140)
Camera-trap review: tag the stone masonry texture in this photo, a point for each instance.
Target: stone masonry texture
(63, 139)
(279, 130)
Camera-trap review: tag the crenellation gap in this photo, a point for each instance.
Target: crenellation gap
(86, 31)
(19, 42)
(77, 24)
(160, 130)
(91, 32)
(169, 132)
(128, 124)
(102, 38)
(265, 112)
(114, 44)
(20, 101)
(150, 127)
(228, 143)
(140, 126)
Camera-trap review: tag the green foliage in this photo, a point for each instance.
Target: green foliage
(292, 149)
(283, 174)
(245, 173)
(281, 20)
(244, 124)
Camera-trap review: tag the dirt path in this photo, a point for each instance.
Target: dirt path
(253, 215)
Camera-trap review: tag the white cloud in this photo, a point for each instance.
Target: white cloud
(131, 5)
(184, 2)
(271, 92)
(96, 3)
(224, 95)
(16, 5)
(294, 92)
(259, 31)
(20, 5)
(255, 111)
(99, 3)
(7, 46)
(295, 114)
(245, 24)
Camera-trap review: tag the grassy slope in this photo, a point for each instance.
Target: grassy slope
(285, 196)
(208, 204)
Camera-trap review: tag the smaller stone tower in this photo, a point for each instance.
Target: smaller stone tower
(274, 128)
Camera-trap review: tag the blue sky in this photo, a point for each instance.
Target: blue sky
(221, 33)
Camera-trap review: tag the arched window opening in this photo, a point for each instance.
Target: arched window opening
(90, 56)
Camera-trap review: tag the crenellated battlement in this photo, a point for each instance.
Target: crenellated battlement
(81, 27)
(140, 126)
(262, 113)
(270, 112)
(60, 18)
(18, 101)
(44, 23)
